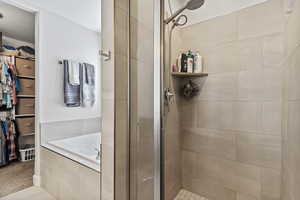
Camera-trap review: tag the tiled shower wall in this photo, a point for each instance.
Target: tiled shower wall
(171, 136)
(291, 125)
(231, 132)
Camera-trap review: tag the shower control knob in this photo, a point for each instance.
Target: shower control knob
(168, 95)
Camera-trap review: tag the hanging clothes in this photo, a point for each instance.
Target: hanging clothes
(8, 98)
(8, 77)
(9, 141)
(3, 148)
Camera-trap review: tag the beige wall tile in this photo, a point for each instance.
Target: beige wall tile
(236, 128)
(245, 197)
(271, 117)
(259, 139)
(208, 166)
(294, 77)
(239, 177)
(207, 34)
(271, 183)
(68, 180)
(259, 152)
(274, 50)
(251, 53)
(222, 58)
(188, 114)
(270, 23)
(221, 86)
(210, 142)
(260, 85)
(209, 188)
(293, 28)
(245, 116)
(215, 114)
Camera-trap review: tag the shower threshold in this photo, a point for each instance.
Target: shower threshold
(186, 195)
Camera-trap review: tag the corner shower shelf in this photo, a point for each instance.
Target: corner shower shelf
(188, 75)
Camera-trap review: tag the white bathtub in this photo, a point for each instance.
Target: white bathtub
(81, 149)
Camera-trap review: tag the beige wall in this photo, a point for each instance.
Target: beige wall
(291, 110)
(65, 179)
(231, 132)
(108, 102)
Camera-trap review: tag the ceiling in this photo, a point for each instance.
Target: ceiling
(83, 12)
(17, 24)
(213, 8)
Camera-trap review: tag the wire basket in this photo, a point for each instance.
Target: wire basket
(27, 154)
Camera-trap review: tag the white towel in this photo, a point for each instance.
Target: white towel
(88, 96)
(74, 73)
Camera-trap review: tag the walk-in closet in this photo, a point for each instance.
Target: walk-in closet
(17, 99)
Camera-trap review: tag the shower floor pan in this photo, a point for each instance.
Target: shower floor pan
(186, 195)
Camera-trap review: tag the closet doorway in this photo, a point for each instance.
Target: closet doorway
(17, 99)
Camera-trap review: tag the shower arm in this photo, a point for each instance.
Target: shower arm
(173, 16)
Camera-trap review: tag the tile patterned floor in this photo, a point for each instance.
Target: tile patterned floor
(186, 195)
(32, 193)
(16, 177)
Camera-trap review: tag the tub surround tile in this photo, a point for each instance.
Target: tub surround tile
(61, 177)
(66, 129)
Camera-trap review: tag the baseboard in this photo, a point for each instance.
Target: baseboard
(37, 180)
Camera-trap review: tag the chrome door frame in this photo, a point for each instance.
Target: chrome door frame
(158, 82)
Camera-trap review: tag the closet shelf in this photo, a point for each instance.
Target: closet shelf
(188, 75)
(26, 96)
(26, 58)
(28, 77)
(25, 115)
(29, 134)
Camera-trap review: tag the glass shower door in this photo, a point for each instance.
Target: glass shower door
(144, 101)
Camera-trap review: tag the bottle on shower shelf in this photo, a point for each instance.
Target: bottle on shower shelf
(179, 63)
(184, 64)
(198, 68)
(190, 62)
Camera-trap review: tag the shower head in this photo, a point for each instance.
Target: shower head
(191, 5)
(194, 4)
